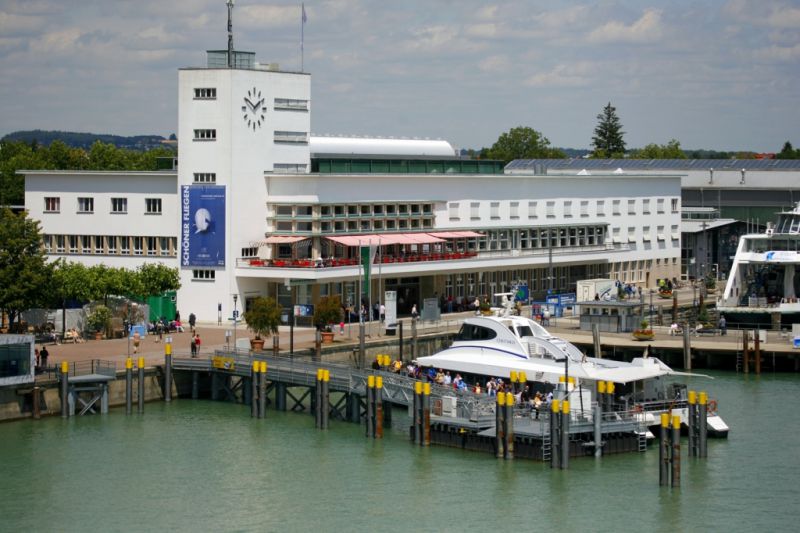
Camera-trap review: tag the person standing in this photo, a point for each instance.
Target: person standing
(43, 355)
(414, 312)
(192, 322)
(723, 325)
(382, 313)
(137, 339)
(193, 346)
(197, 342)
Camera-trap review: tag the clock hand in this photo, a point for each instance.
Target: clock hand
(258, 104)
(249, 103)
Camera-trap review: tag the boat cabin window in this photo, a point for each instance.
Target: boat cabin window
(472, 332)
(524, 331)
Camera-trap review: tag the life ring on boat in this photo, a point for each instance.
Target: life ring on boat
(712, 406)
(637, 408)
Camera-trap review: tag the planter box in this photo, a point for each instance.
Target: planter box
(257, 345)
(327, 337)
(642, 336)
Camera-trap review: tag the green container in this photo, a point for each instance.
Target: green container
(164, 305)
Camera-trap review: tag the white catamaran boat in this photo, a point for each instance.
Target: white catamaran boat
(764, 281)
(495, 346)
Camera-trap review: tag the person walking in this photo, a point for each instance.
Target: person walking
(414, 312)
(197, 343)
(193, 346)
(137, 339)
(192, 322)
(723, 325)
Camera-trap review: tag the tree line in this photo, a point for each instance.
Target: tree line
(20, 155)
(28, 281)
(608, 142)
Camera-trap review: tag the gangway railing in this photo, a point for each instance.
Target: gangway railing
(86, 368)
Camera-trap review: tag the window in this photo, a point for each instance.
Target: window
(86, 244)
(98, 244)
(138, 243)
(601, 208)
(289, 104)
(616, 237)
(152, 245)
(152, 206)
(494, 210)
(474, 210)
(300, 137)
(646, 206)
(660, 206)
(551, 209)
(205, 135)
(584, 208)
(631, 207)
(631, 234)
(124, 246)
(59, 244)
(119, 205)
(567, 209)
(660, 233)
(290, 168)
(52, 205)
(674, 205)
(164, 242)
(73, 244)
(203, 275)
(112, 244)
(453, 211)
(48, 244)
(205, 177)
(514, 210)
(85, 205)
(615, 208)
(645, 233)
(532, 210)
(250, 252)
(205, 93)
(675, 233)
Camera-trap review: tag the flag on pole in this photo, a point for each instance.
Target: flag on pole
(303, 9)
(303, 20)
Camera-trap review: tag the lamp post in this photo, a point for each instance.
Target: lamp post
(651, 308)
(235, 318)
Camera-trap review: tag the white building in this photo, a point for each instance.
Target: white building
(244, 213)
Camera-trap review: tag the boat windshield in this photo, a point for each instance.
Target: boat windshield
(473, 332)
(524, 331)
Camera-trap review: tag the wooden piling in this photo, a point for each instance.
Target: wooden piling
(676, 451)
(499, 423)
(746, 351)
(128, 386)
(757, 351)
(37, 411)
(262, 390)
(702, 437)
(378, 399)
(167, 372)
(564, 434)
(64, 389)
(325, 397)
(596, 339)
(140, 385)
(370, 406)
(416, 430)
(317, 403)
(687, 349)
(508, 423)
(414, 346)
(664, 452)
(555, 440)
(426, 413)
(598, 429)
(400, 339)
(692, 423)
(254, 390)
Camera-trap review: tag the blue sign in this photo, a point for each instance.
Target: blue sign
(235, 314)
(520, 291)
(203, 225)
(565, 300)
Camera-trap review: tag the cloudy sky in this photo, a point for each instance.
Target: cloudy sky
(713, 74)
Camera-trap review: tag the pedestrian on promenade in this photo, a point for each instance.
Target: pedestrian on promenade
(137, 339)
(414, 312)
(193, 346)
(723, 325)
(192, 322)
(197, 342)
(43, 355)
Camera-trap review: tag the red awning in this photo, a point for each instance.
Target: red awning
(385, 239)
(281, 239)
(455, 234)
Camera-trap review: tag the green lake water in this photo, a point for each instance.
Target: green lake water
(207, 466)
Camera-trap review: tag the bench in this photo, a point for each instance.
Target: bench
(706, 331)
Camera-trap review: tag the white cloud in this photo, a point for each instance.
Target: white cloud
(265, 16)
(560, 76)
(646, 29)
(778, 53)
(482, 30)
(14, 24)
(496, 63)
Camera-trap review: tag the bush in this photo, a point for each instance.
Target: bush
(99, 320)
(328, 311)
(263, 317)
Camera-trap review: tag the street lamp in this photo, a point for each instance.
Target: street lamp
(235, 319)
(651, 307)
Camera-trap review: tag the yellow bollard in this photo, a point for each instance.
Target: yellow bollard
(692, 397)
(371, 382)
(514, 376)
(601, 387)
(555, 406)
(501, 399)
(610, 387)
(418, 387)
(128, 363)
(326, 375)
(561, 379)
(426, 389)
(565, 407)
(263, 367)
(664, 420)
(523, 378)
(319, 374)
(168, 349)
(256, 366)
(703, 398)
(378, 382)
(141, 362)
(64, 367)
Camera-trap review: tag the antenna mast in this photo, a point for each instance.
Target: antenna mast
(229, 3)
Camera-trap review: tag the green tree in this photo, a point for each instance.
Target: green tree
(105, 281)
(70, 281)
(263, 317)
(24, 273)
(671, 150)
(788, 152)
(156, 279)
(607, 140)
(523, 143)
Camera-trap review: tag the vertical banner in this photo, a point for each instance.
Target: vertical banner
(203, 225)
(367, 257)
(390, 301)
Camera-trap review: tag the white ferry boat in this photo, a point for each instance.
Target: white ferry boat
(764, 281)
(495, 346)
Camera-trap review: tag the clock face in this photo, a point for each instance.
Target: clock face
(253, 110)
